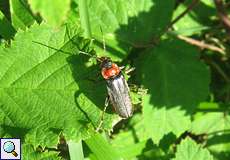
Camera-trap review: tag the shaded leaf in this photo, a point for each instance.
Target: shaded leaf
(197, 20)
(20, 14)
(175, 76)
(168, 72)
(127, 23)
(7, 31)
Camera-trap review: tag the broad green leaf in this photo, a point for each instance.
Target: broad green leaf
(101, 149)
(20, 14)
(53, 12)
(189, 150)
(177, 81)
(7, 31)
(44, 92)
(175, 76)
(127, 23)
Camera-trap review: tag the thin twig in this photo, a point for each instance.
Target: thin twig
(170, 25)
(201, 44)
(219, 70)
(223, 14)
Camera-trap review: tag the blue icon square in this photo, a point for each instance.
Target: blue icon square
(10, 148)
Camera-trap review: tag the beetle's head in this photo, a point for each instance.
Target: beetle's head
(106, 62)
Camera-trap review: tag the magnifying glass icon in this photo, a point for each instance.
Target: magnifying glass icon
(9, 147)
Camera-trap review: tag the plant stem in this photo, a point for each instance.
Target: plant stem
(187, 10)
(223, 15)
(75, 150)
(84, 18)
(201, 44)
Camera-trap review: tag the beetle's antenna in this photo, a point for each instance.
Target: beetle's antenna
(103, 40)
(69, 53)
(59, 50)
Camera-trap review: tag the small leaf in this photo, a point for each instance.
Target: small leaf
(7, 31)
(189, 150)
(197, 19)
(53, 12)
(20, 14)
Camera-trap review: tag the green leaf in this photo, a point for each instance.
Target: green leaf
(53, 12)
(44, 92)
(131, 143)
(20, 14)
(175, 76)
(189, 150)
(168, 72)
(197, 20)
(7, 30)
(127, 23)
(101, 149)
(162, 121)
(210, 123)
(28, 153)
(216, 127)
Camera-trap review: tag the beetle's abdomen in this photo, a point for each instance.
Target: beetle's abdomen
(118, 91)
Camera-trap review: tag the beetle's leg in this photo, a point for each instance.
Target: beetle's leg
(122, 67)
(129, 70)
(102, 115)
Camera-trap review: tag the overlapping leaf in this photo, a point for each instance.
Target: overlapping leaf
(7, 31)
(198, 19)
(216, 127)
(189, 150)
(44, 92)
(177, 82)
(20, 14)
(29, 152)
(128, 23)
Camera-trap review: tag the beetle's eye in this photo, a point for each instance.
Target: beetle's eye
(106, 64)
(109, 64)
